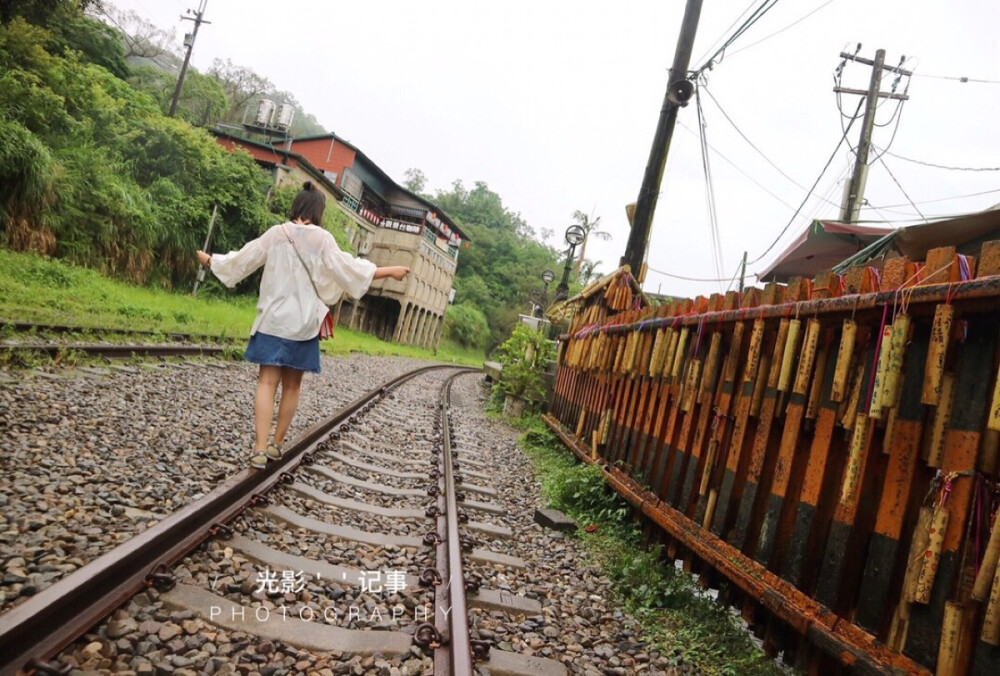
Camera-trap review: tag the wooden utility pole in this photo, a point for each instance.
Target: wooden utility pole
(855, 193)
(679, 90)
(189, 43)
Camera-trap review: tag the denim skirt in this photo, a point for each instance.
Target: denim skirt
(268, 350)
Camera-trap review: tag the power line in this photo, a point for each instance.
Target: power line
(736, 167)
(751, 143)
(898, 185)
(728, 28)
(778, 32)
(939, 166)
(809, 194)
(690, 279)
(754, 17)
(944, 199)
(959, 78)
(709, 188)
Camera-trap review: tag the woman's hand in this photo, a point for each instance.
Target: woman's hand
(397, 272)
(205, 259)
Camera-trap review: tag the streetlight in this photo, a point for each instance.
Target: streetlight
(575, 235)
(547, 277)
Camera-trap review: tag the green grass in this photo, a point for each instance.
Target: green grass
(673, 611)
(47, 291)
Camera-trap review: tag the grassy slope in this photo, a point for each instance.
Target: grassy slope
(42, 290)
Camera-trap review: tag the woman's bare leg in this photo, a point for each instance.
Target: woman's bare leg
(291, 381)
(263, 404)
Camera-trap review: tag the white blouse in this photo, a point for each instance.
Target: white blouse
(288, 306)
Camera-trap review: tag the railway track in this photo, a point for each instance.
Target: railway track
(50, 340)
(276, 559)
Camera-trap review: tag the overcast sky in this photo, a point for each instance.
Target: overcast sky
(554, 105)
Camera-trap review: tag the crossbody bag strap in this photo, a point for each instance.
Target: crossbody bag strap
(301, 260)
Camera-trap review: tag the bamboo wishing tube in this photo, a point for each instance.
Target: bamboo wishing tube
(779, 353)
(788, 357)
(894, 368)
(630, 345)
(711, 363)
(951, 629)
(936, 353)
(942, 419)
(675, 371)
(668, 359)
(991, 620)
(619, 355)
(605, 426)
(855, 461)
(753, 355)
(845, 354)
(987, 569)
(918, 545)
(691, 384)
(875, 405)
(851, 406)
(659, 352)
(808, 358)
(816, 390)
(931, 556)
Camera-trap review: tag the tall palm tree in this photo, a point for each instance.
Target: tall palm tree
(588, 272)
(589, 225)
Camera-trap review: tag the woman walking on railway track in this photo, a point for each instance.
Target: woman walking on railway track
(304, 272)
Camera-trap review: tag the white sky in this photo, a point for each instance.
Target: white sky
(554, 105)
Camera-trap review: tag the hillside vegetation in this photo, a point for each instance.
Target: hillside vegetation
(93, 172)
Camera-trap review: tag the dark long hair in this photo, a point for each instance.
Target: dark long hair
(308, 205)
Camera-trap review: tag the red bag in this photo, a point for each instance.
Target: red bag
(326, 328)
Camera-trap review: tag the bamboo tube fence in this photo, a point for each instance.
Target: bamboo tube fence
(825, 451)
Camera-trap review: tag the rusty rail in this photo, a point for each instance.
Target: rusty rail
(830, 446)
(46, 623)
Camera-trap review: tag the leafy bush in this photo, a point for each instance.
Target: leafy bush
(525, 356)
(466, 325)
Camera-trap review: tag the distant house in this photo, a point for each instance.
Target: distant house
(393, 227)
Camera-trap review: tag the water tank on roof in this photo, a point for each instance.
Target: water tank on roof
(283, 118)
(264, 110)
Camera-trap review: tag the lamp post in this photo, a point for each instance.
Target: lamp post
(547, 278)
(574, 236)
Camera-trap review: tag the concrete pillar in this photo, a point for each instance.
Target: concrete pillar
(400, 322)
(437, 333)
(418, 332)
(411, 324)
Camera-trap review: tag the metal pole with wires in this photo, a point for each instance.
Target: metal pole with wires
(189, 43)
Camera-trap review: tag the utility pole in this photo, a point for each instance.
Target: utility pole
(189, 43)
(854, 195)
(743, 272)
(679, 90)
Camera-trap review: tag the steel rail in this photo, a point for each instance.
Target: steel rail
(115, 351)
(26, 327)
(454, 656)
(54, 618)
